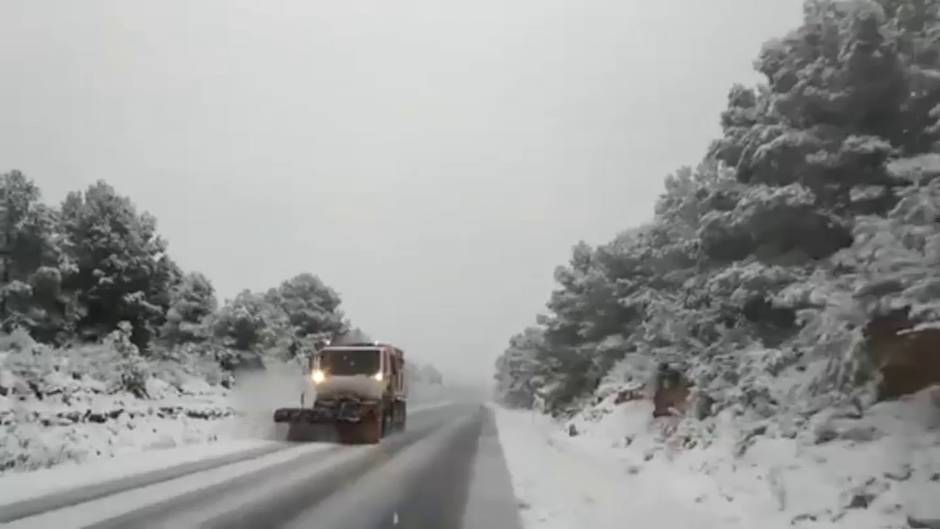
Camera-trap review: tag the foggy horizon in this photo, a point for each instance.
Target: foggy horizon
(433, 164)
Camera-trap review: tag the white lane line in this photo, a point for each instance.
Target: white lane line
(117, 504)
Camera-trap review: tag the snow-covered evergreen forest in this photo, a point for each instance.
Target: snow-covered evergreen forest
(770, 339)
(798, 265)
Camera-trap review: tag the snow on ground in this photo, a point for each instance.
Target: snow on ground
(881, 470)
(77, 404)
(240, 433)
(38, 434)
(561, 483)
(80, 403)
(96, 511)
(42, 433)
(19, 486)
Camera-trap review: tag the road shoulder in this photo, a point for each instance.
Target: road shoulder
(16, 487)
(491, 501)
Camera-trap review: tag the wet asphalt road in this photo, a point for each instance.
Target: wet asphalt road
(445, 471)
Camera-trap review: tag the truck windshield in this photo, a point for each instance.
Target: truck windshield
(350, 362)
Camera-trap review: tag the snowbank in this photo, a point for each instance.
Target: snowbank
(74, 404)
(563, 482)
(614, 463)
(17, 486)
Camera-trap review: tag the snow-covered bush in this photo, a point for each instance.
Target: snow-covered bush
(192, 302)
(68, 404)
(311, 307)
(122, 271)
(515, 384)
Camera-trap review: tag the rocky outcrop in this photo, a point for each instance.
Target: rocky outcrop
(671, 392)
(906, 358)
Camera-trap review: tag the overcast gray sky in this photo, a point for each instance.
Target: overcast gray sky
(431, 160)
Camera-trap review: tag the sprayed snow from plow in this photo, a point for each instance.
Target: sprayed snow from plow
(256, 395)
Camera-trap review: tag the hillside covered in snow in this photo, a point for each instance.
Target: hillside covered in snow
(786, 294)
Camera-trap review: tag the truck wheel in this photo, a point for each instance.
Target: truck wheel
(398, 417)
(403, 416)
(294, 435)
(298, 432)
(349, 433)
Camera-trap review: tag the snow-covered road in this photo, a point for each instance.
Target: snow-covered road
(422, 477)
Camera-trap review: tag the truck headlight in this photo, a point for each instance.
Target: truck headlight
(317, 376)
(378, 376)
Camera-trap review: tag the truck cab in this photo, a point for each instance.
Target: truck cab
(366, 371)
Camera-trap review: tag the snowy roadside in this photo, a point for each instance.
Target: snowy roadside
(882, 471)
(54, 419)
(232, 441)
(19, 486)
(561, 482)
(85, 425)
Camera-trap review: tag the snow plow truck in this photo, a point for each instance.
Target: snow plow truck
(358, 388)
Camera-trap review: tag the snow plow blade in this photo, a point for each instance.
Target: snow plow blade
(292, 415)
(310, 416)
(306, 424)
